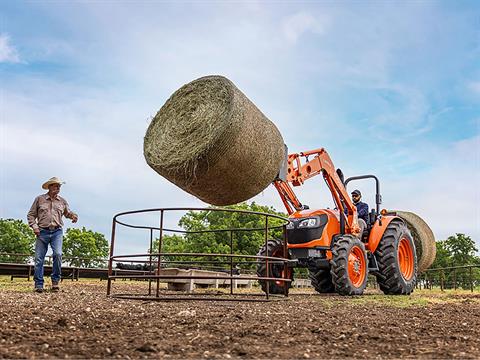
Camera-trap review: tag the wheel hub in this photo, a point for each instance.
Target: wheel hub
(356, 266)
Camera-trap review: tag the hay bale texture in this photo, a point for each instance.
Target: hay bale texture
(214, 143)
(423, 238)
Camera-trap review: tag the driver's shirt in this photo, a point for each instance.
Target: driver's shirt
(362, 209)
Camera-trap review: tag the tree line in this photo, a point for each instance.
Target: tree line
(81, 247)
(456, 250)
(220, 232)
(87, 246)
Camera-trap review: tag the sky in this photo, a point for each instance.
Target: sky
(388, 88)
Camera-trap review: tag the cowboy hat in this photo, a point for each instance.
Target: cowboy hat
(53, 180)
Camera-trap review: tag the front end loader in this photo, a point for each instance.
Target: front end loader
(337, 250)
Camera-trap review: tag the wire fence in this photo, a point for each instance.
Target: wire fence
(462, 277)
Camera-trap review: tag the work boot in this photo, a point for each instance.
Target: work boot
(38, 290)
(55, 286)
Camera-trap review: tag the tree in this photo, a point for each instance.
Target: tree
(84, 248)
(456, 250)
(16, 237)
(196, 240)
(443, 256)
(462, 249)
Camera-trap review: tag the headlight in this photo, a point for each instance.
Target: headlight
(290, 225)
(307, 223)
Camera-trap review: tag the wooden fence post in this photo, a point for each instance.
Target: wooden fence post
(471, 278)
(455, 278)
(441, 281)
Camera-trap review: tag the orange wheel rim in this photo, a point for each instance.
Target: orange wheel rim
(357, 266)
(405, 258)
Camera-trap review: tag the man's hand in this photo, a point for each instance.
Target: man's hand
(74, 218)
(36, 231)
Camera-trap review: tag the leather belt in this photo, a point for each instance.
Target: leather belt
(51, 228)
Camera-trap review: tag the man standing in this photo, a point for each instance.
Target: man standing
(45, 218)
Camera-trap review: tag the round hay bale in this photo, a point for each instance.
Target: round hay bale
(214, 143)
(423, 238)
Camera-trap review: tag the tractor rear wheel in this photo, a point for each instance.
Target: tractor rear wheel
(397, 260)
(349, 266)
(274, 248)
(321, 280)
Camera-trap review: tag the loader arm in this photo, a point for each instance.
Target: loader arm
(297, 173)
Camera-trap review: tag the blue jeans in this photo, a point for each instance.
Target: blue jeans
(55, 239)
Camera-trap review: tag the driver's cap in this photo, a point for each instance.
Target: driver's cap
(356, 192)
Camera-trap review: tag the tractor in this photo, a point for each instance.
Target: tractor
(338, 252)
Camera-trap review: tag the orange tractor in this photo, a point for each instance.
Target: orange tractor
(331, 243)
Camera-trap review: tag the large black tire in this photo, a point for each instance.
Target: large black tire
(321, 280)
(273, 248)
(349, 273)
(392, 277)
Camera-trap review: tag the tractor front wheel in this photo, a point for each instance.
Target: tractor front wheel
(349, 266)
(274, 248)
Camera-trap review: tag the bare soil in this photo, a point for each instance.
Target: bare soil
(81, 322)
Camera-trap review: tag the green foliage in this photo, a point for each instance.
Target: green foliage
(443, 256)
(457, 250)
(16, 237)
(85, 247)
(196, 240)
(462, 249)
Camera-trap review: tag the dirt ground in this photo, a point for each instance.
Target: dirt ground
(81, 322)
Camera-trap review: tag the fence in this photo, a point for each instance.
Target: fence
(462, 277)
(466, 277)
(25, 258)
(231, 265)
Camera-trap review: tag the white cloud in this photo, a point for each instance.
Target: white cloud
(474, 86)
(446, 194)
(8, 53)
(100, 135)
(404, 117)
(296, 25)
(91, 140)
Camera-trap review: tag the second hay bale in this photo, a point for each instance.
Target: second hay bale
(213, 142)
(423, 238)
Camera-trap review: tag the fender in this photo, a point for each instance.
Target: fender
(377, 232)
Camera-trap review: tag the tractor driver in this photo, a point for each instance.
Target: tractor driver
(362, 209)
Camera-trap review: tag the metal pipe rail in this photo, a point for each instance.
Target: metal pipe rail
(157, 261)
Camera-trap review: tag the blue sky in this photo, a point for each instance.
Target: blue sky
(390, 88)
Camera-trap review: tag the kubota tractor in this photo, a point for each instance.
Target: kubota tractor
(330, 244)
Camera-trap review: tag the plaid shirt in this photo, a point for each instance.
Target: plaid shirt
(46, 212)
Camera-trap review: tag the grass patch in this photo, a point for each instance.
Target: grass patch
(17, 284)
(23, 285)
(401, 301)
(419, 298)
